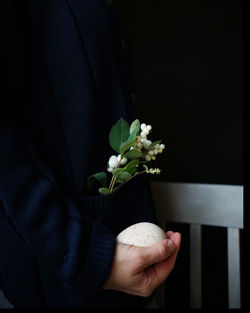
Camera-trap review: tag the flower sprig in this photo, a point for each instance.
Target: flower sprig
(134, 151)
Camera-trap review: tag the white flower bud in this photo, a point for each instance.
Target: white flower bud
(113, 161)
(154, 171)
(143, 126)
(143, 134)
(139, 145)
(160, 151)
(147, 143)
(110, 169)
(153, 157)
(151, 152)
(149, 127)
(162, 146)
(138, 139)
(124, 161)
(131, 148)
(147, 157)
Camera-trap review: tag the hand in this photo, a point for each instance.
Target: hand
(139, 270)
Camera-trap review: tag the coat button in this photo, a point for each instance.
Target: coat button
(124, 45)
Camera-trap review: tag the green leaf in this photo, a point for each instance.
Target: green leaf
(123, 176)
(145, 166)
(133, 154)
(119, 134)
(118, 181)
(132, 135)
(131, 170)
(125, 146)
(118, 170)
(153, 144)
(129, 143)
(135, 126)
(104, 191)
(131, 164)
(100, 177)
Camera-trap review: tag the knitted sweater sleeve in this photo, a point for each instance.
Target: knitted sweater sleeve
(74, 247)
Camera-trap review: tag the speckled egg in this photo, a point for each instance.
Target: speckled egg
(141, 234)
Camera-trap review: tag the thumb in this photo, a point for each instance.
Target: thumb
(157, 252)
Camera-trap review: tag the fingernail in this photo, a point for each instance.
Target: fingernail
(170, 244)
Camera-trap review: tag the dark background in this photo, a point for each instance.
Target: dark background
(187, 61)
(188, 68)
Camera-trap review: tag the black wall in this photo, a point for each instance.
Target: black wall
(187, 61)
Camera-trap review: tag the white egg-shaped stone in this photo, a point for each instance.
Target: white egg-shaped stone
(141, 234)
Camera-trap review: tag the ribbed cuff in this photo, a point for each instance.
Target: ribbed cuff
(98, 210)
(99, 261)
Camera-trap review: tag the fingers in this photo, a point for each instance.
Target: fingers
(169, 233)
(155, 253)
(139, 270)
(176, 237)
(159, 272)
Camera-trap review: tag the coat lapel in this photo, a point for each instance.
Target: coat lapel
(96, 24)
(71, 81)
(93, 21)
(75, 40)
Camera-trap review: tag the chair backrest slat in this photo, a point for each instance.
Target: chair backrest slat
(233, 255)
(195, 266)
(203, 204)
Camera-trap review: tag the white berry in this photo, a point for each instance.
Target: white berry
(113, 161)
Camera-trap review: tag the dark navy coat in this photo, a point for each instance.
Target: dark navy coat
(65, 82)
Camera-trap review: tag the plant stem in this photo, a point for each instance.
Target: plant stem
(111, 182)
(132, 177)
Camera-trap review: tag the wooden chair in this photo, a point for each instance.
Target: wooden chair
(199, 204)
(203, 204)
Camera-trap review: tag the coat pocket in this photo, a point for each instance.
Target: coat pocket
(106, 209)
